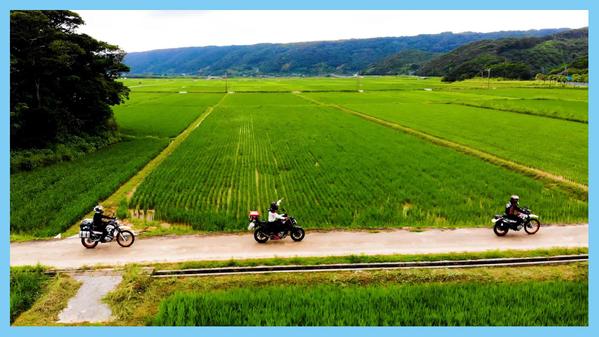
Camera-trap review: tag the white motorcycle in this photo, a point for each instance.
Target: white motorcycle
(90, 236)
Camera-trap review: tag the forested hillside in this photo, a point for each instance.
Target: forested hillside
(405, 62)
(305, 58)
(516, 58)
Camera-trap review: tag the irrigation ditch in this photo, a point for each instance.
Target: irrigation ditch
(498, 262)
(471, 263)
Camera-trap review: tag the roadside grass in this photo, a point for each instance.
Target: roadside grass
(45, 310)
(490, 254)
(137, 300)
(353, 258)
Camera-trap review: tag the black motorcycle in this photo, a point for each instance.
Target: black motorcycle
(502, 224)
(90, 236)
(263, 231)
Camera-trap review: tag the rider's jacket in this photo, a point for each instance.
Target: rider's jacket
(274, 216)
(512, 210)
(98, 219)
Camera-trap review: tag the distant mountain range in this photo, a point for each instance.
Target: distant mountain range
(308, 58)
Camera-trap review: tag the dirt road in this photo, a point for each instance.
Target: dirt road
(69, 253)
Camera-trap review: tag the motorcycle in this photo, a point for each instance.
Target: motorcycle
(90, 236)
(263, 233)
(530, 223)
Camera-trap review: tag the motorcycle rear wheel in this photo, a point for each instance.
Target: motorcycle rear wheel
(297, 234)
(500, 230)
(88, 243)
(260, 236)
(532, 226)
(125, 238)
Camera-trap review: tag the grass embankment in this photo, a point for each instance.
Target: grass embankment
(45, 311)
(544, 295)
(27, 284)
(36, 298)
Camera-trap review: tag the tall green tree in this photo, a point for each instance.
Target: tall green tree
(62, 83)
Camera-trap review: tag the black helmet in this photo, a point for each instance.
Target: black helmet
(514, 199)
(273, 206)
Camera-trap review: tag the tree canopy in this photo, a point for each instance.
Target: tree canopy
(62, 83)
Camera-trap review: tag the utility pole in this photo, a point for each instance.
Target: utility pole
(358, 82)
(226, 83)
(488, 78)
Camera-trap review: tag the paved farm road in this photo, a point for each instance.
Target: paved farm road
(69, 253)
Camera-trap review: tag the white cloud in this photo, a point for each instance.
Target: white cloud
(145, 30)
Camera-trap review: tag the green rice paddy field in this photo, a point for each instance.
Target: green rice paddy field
(290, 138)
(466, 304)
(511, 296)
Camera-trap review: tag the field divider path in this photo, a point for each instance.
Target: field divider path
(530, 113)
(127, 189)
(578, 189)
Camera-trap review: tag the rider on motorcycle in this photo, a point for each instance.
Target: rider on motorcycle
(99, 217)
(276, 221)
(513, 210)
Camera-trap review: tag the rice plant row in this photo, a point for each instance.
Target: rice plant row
(46, 201)
(333, 170)
(545, 303)
(26, 286)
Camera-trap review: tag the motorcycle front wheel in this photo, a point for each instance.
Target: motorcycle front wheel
(297, 234)
(500, 230)
(260, 236)
(125, 238)
(532, 226)
(89, 243)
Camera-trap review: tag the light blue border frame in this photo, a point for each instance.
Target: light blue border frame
(7, 5)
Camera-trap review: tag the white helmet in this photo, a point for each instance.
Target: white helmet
(99, 209)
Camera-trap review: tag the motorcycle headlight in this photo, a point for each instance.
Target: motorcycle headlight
(251, 226)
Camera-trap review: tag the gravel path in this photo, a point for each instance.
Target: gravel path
(87, 305)
(69, 253)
